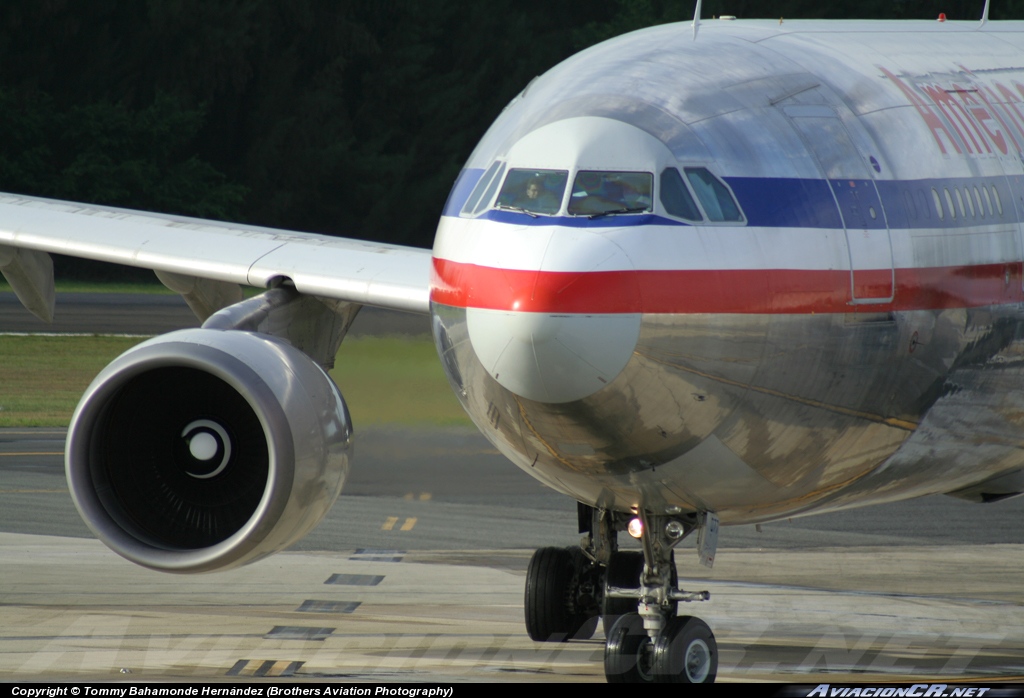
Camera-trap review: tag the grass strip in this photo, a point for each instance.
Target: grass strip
(385, 380)
(395, 380)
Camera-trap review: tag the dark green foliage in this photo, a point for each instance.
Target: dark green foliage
(107, 153)
(350, 117)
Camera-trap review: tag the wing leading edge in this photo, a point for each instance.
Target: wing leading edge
(387, 276)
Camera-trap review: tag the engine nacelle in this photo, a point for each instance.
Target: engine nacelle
(206, 449)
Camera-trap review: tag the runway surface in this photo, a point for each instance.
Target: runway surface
(417, 574)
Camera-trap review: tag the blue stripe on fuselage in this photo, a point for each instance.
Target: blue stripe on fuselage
(807, 203)
(778, 203)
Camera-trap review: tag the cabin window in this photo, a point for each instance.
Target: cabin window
(959, 203)
(949, 202)
(938, 204)
(604, 193)
(484, 189)
(714, 196)
(977, 198)
(988, 200)
(970, 201)
(999, 203)
(533, 191)
(676, 198)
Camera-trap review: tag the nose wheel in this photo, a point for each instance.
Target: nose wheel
(629, 652)
(685, 651)
(636, 594)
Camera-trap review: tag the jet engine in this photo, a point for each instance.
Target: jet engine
(207, 449)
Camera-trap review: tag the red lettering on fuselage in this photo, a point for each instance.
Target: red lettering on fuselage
(1011, 129)
(927, 113)
(955, 114)
(982, 117)
(967, 116)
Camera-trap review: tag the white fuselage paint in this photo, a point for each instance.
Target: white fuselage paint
(853, 339)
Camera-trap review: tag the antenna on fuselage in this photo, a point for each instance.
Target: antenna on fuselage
(696, 18)
(984, 14)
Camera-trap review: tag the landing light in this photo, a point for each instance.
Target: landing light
(635, 528)
(674, 530)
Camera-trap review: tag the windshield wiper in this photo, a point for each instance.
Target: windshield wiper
(518, 209)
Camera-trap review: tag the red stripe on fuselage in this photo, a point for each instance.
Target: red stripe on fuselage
(738, 291)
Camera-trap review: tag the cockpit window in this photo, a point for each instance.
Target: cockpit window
(676, 198)
(533, 191)
(602, 193)
(484, 190)
(714, 196)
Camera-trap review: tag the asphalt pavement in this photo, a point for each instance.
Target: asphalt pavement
(917, 591)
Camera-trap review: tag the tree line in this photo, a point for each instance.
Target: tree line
(348, 117)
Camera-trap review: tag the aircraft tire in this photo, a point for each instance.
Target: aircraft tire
(629, 653)
(549, 601)
(686, 652)
(624, 570)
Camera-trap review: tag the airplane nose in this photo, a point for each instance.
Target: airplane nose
(566, 334)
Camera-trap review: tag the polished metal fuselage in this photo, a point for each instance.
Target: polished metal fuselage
(858, 339)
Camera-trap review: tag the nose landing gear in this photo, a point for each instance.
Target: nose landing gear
(636, 594)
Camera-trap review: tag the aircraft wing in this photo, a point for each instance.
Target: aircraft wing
(388, 276)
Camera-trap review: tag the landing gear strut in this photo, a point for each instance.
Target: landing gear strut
(636, 593)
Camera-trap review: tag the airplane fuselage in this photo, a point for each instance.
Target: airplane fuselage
(771, 271)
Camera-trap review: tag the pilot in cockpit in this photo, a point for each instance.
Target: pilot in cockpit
(536, 197)
(597, 193)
